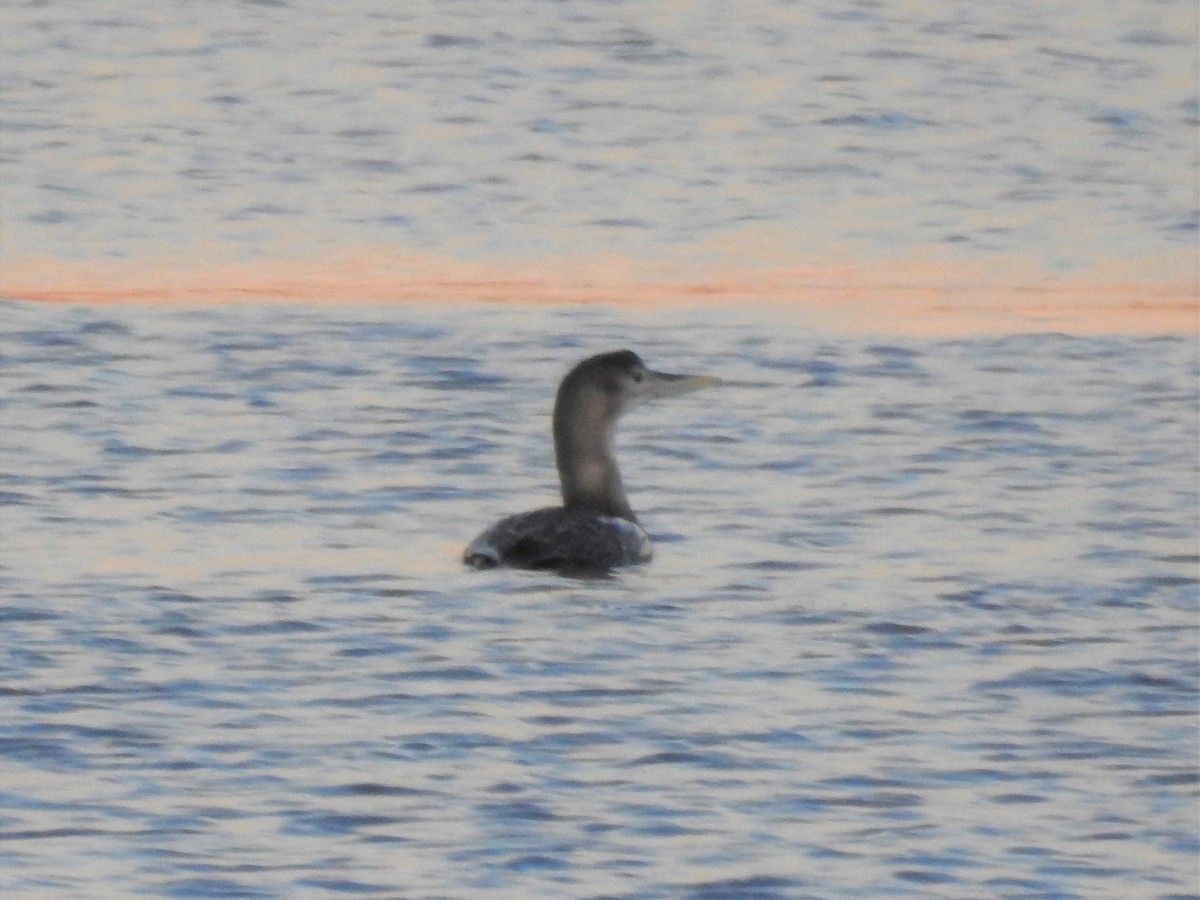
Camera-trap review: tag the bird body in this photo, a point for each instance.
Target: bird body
(595, 529)
(562, 539)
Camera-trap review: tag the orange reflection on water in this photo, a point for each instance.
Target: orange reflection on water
(933, 298)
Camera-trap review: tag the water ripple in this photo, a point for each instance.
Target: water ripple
(921, 621)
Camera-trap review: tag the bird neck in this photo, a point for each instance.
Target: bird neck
(583, 442)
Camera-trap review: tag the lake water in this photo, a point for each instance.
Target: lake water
(922, 621)
(1033, 140)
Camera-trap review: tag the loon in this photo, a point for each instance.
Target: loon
(595, 529)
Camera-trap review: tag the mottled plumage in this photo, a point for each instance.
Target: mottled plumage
(555, 537)
(595, 529)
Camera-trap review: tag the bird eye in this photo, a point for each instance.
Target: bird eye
(637, 376)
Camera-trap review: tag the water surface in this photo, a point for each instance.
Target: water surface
(922, 621)
(629, 139)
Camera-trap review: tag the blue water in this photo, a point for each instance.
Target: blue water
(923, 616)
(922, 621)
